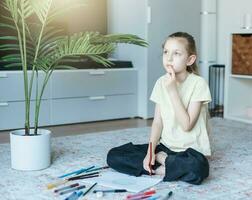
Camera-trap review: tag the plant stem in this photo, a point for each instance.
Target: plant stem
(22, 47)
(38, 99)
(38, 103)
(27, 99)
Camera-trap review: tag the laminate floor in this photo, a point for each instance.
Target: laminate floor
(89, 127)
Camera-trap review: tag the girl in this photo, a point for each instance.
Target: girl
(179, 140)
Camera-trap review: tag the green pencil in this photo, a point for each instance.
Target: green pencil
(89, 189)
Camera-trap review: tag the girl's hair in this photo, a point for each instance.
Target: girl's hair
(190, 47)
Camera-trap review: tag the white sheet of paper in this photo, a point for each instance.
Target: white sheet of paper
(118, 180)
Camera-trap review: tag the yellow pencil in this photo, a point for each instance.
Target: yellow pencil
(56, 184)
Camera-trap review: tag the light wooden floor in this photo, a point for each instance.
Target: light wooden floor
(82, 128)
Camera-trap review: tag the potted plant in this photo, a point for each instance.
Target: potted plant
(37, 48)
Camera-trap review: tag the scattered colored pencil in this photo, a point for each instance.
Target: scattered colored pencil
(66, 187)
(61, 182)
(76, 172)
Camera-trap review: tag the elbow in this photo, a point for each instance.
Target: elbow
(187, 128)
(188, 125)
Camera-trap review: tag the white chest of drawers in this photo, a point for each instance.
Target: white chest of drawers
(72, 96)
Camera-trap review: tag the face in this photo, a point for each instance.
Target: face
(176, 56)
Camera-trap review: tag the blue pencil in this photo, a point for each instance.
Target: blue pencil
(74, 196)
(77, 172)
(98, 168)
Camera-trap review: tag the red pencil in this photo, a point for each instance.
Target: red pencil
(141, 194)
(150, 158)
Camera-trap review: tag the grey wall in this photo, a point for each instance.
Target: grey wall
(152, 20)
(167, 17)
(91, 17)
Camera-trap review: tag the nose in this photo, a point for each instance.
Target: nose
(169, 57)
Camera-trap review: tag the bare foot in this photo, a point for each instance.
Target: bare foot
(160, 170)
(160, 157)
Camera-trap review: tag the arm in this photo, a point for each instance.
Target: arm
(156, 129)
(186, 118)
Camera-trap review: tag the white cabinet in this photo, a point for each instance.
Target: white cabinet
(238, 88)
(12, 86)
(91, 95)
(72, 110)
(12, 106)
(71, 96)
(239, 98)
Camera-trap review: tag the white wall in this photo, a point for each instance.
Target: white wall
(166, 17)
(230, 15)
(230, 19)
(208, 45)
(129, 16)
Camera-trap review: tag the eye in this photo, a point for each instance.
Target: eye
(177, 53)
(165, 51)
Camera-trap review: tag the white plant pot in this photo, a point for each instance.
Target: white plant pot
(31, 152)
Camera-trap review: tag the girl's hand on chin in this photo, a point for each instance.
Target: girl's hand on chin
(169, 68)
(170, 78)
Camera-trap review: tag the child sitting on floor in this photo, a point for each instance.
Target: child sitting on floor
(179, 138)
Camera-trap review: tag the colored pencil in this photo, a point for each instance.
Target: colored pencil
(83, 176)
(98, 168)
(72, 190)
(149, 192)
(61, 182)
(89, 189)
(66, 187)
(76, 172)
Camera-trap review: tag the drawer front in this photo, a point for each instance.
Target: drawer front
(12, 87)
(93, 108)
(91, 83)
(12, 114)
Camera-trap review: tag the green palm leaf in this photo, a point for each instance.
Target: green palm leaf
(13, 38)
(12, 7)
(99, 59)
(10, 59)
(28, 11)
(119, 38)
(41, 8)
(11, 65)
(9, 26)
(6, 47)
(78, 44)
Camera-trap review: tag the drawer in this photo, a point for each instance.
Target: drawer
(12, 87)
(12, 114)
(79, 83)
(93, 108)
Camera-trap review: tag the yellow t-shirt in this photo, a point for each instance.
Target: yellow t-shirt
(193, 88)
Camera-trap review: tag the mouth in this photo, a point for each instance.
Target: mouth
(169, 66)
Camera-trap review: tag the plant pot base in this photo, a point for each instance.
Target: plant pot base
(30, 152)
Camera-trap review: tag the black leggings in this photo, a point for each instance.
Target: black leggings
(190, 165)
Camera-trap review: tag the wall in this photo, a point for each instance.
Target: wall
(168, 17)
(230, 15)
(152, 20)
(129, 16)
(90, 17)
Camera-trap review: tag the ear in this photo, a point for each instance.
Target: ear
(191, 60)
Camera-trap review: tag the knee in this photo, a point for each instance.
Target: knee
(112, 157)
(197, 173)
